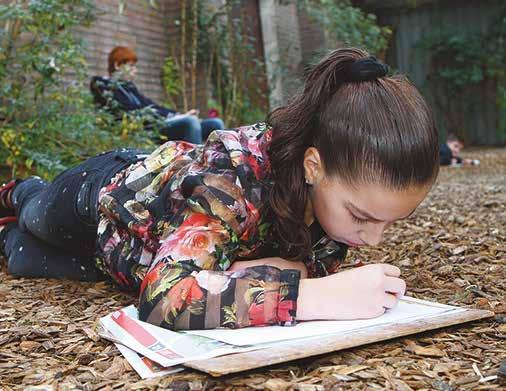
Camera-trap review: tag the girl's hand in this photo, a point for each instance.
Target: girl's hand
(280, 263)
(194, 112)
(360, 293)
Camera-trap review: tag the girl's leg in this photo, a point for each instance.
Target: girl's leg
(57, 222)
(64, 212)
(186, 128)
(48, 211)
(30, 257)
(209, 125)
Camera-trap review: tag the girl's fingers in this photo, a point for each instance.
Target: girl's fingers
(389, 300)
(391, 270)
(394, 285)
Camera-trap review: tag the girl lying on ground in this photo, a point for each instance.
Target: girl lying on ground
(250, 228)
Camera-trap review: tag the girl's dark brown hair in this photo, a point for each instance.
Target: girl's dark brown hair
(378, 131)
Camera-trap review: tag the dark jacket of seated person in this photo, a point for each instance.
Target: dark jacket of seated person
(122, 95)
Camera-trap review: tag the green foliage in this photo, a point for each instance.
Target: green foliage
(171, 81)
(226, 53)
(47, 118)
(461, 64)
(464, 59)
(234, 73)
(348, 25)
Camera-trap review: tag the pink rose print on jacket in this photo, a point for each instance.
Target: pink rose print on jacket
(196, 239)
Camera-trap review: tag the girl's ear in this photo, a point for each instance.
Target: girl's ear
(116, 65)
(313, 166)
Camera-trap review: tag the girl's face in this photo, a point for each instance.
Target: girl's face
(455, 147)
(358, 215)
(127, 70)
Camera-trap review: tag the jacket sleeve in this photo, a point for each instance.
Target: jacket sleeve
(445, 155)
(183, 290)
(97, 89)
(146, 102)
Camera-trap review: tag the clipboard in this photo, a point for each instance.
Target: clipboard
(312, 346)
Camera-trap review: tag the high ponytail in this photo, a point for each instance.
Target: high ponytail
(359, 120)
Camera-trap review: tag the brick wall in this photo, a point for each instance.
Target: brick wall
(140, 27)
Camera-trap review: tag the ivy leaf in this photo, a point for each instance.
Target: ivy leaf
(121, 7)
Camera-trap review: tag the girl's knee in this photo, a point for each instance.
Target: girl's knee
(215, 123)
(19, 265)
(192, 123)
(193, 130)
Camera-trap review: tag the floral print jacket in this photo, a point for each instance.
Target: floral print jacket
(171, 225)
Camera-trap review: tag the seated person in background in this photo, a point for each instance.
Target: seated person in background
(124, 96)
(449, 153)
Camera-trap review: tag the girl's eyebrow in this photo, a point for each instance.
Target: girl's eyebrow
(372, 218)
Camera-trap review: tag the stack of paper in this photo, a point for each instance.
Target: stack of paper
(153, 351)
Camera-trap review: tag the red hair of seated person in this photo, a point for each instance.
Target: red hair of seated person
(120, 55)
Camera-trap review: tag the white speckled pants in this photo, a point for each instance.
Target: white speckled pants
(57, 222)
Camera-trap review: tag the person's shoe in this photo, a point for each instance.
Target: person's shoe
(6, 207)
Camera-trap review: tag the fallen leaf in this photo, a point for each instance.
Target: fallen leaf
(277, 385)
(29, 345)
(426, 351)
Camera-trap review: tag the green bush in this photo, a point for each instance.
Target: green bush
(347, 24)
(47, 118)
(462, 63)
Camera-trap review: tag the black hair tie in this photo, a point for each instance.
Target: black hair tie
(366, 69)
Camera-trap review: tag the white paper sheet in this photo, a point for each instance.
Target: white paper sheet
(146, 368)
(408, 309)
(165, 347)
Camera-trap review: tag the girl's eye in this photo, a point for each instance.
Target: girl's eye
(357, 220)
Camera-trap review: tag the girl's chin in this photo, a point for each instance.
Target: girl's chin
(351, 244)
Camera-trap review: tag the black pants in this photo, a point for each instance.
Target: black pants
(56, 233)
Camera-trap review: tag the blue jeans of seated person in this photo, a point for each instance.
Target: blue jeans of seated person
(190, 128)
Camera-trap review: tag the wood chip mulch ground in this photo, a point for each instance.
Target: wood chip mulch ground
(453, 250)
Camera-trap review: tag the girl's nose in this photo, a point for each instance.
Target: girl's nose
(373, 235)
